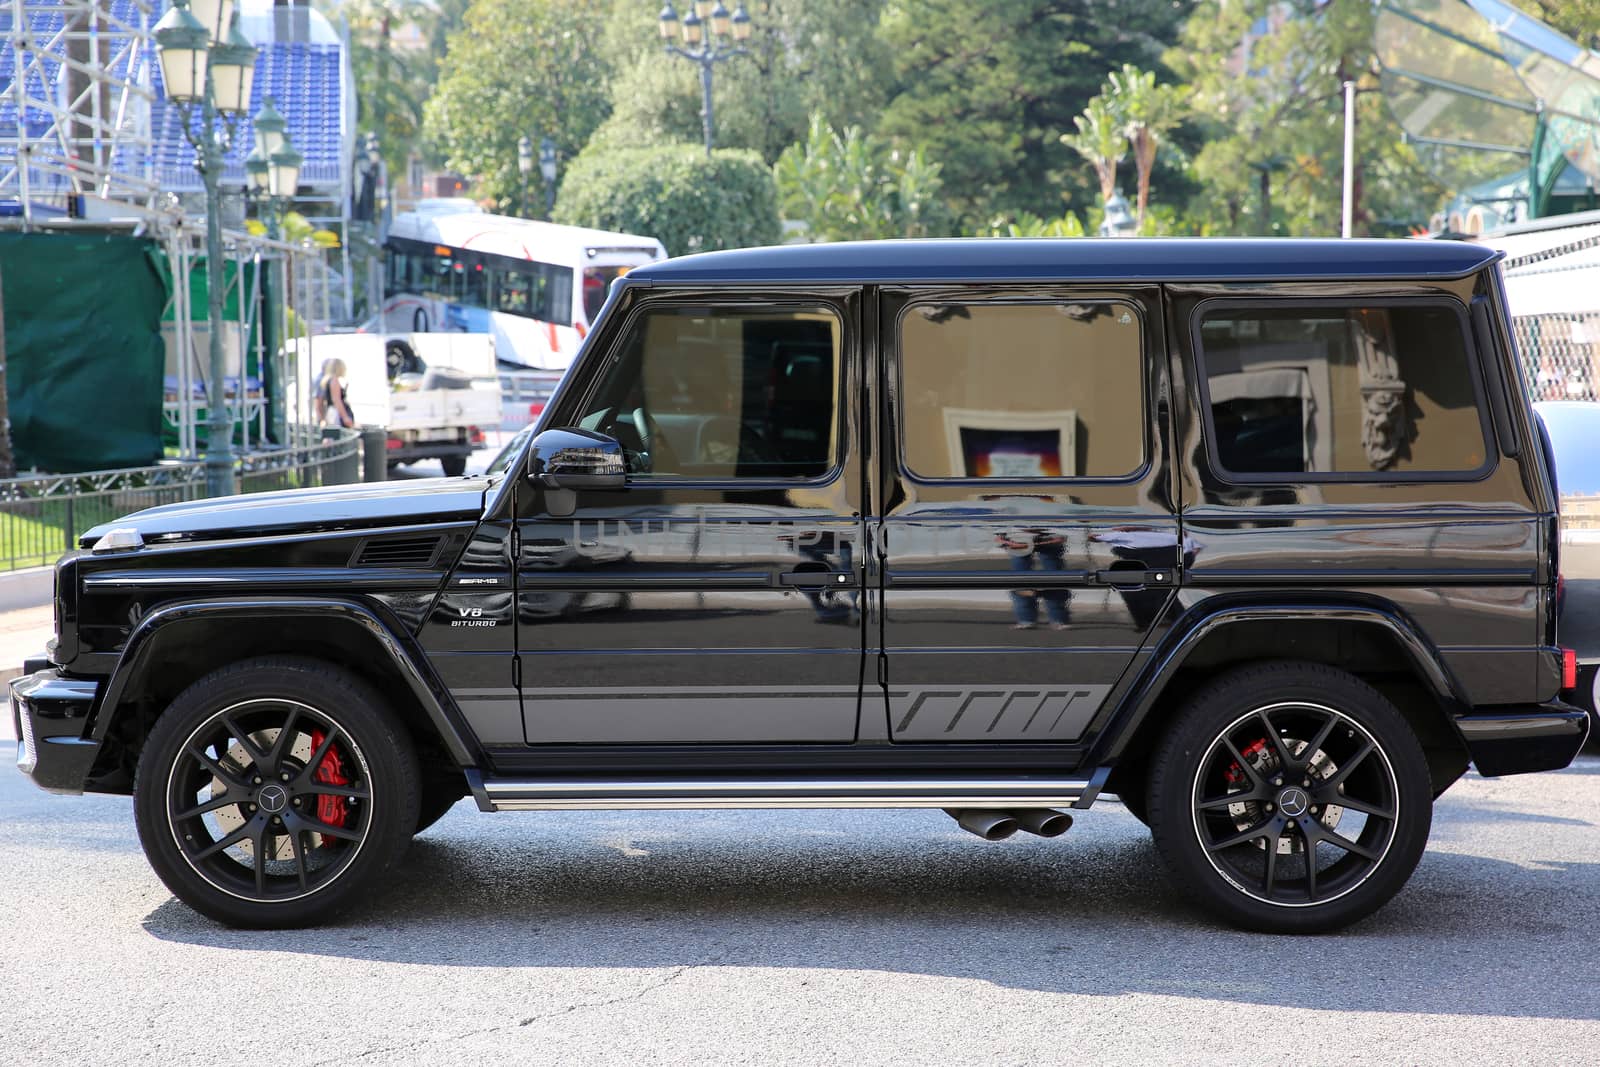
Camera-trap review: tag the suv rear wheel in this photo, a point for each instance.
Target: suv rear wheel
(1290, 798)
(273, 792)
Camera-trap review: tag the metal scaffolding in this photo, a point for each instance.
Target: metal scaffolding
(75, 106)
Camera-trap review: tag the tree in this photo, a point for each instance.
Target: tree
(517, 68)
(675, 194)
(853, 186)
(986, 90)
(1102, 140)
(1271, 117)
(1578, 19)
(1028, 224)
(805, 57)
(1149, 112)
(393, 80)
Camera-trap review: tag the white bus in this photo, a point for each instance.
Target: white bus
(536, 286)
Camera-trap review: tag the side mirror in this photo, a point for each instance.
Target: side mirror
(576, 459)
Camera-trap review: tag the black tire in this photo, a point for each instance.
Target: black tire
(454, 466)
(1232, 814)
(1137, 803)
(400, 359)
(294, 764)
(438, 797)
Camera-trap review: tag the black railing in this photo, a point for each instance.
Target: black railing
(42, 516)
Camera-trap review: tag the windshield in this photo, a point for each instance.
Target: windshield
(596, 283)
(510, 451)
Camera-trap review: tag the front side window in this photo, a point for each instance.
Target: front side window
(724, 392)
(1022, 391)
(1341, 391)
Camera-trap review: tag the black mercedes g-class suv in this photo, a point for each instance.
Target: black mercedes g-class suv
(1258, 536)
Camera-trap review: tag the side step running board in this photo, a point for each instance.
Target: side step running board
(582, 794)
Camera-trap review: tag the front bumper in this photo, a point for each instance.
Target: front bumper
(1524, 738)
(51, 713)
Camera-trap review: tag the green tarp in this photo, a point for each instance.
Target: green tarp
(84, 355)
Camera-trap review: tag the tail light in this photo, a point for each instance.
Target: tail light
(1569, 669)
(476, 433)
(536, 409)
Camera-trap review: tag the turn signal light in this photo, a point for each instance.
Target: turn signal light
(1569, 668)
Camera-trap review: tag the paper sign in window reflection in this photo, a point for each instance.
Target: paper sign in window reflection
(1010, 453)
(1004, 444)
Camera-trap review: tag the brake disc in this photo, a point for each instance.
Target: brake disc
(232, 817)
(1264, 761)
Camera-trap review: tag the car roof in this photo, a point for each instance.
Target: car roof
(1144, 259)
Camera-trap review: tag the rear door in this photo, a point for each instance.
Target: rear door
(1028, 543)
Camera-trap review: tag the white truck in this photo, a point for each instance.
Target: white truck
(435, 403)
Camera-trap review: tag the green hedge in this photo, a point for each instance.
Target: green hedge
(674, 193)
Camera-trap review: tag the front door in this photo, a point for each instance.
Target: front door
(717, 598)
(1028, 542)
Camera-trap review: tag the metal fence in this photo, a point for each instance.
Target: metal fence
(43, 516)
(1560, 354)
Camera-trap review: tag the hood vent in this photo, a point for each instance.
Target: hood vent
(398, 552)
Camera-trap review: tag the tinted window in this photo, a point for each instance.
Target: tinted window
(1350, 391)
(1022, 391)
(706, 392)
(596, 282)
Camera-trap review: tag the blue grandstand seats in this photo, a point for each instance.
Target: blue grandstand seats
(304, 79)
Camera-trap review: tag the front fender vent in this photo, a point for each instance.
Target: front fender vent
(398, 552)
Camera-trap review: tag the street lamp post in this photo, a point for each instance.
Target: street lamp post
(706, 33)
(525, 167)
(273, 170)
(207, 67)
(547, 171)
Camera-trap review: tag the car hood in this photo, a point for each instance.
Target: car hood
(307, 510)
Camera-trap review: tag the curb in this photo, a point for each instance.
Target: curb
(31, 587)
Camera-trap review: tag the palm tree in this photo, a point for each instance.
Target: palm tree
(1149, 111)
(1102, 140)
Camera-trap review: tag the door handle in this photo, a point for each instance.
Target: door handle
(1119, 577)
(816, 579)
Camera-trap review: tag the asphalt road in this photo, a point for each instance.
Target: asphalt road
(802, 937)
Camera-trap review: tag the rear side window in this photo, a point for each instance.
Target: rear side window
(1022, 391)
(1342, 392)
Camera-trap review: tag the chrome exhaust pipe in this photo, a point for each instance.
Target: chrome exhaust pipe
(1044, 822)
(986, 823)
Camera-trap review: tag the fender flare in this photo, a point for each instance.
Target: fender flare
(431, 695)
(1190, 630)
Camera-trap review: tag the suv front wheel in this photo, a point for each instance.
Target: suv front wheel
(1290, 798)
(273, 792)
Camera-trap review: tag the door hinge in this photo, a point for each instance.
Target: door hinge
(516, 545)
(883, 671)
(516, 671)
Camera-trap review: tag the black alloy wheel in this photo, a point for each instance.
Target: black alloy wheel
(1291, 798)
(270, 793)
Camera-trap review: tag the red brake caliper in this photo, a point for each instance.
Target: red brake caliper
(1235, 773)
(335, 811)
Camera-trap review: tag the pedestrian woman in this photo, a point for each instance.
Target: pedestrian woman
(333, 406)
